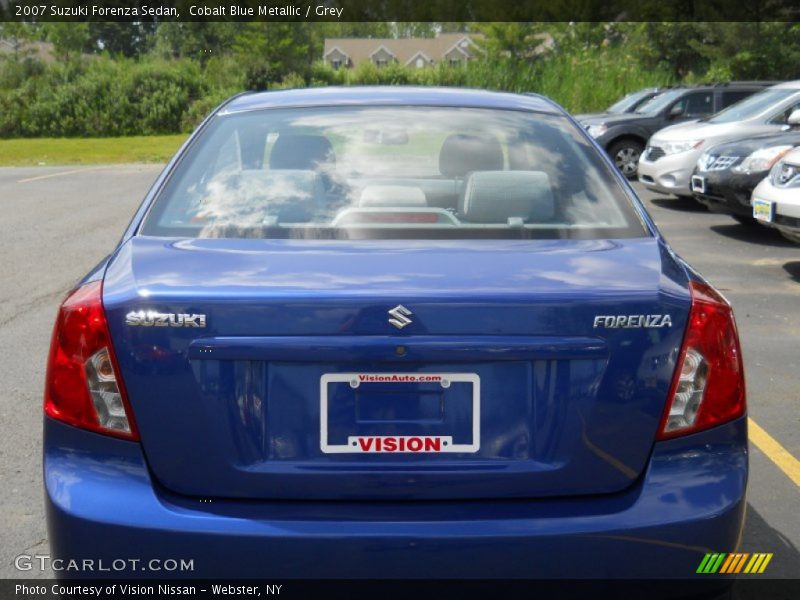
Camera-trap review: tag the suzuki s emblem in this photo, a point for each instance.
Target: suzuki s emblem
(399, 316)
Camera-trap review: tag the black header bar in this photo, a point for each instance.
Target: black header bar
(398, 10)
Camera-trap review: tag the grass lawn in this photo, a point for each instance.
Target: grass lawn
(91, 151)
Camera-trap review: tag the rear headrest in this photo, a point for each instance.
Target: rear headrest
(392, 196)
(462, 153)
(301, 152)
(497, 196)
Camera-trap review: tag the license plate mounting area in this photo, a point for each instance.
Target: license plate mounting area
(763, 210)
(399, 413)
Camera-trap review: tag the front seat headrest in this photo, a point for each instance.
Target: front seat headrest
(497, 196)
(304, 152)
(463, 153)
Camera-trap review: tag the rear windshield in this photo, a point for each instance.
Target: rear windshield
(392, 172)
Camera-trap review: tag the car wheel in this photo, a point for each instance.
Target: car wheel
(626, 155)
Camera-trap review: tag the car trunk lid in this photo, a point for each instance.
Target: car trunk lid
(525, 368)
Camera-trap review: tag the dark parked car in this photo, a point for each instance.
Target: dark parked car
(727, 174)
(626, 104)
(624, 136)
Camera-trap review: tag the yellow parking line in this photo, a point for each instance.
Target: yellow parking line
(776, 453)
(58, 174)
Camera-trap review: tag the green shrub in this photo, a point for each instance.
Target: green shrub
(99, 96)
(323, 74)
(158, 94)
(202, 107)
(292, 81)
(102, 97)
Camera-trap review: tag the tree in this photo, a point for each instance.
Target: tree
(197, 40)
(513, 41)
(69, 39)
(272, 50)
(718, 51)
(19, 36)
(752, 50)
(415, 29)
(675, 46)
(126, 39)
(366, 29)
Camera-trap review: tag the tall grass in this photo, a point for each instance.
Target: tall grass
(581, 82)
(113, 97)
(591, 81)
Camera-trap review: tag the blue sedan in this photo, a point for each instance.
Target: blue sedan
(393, 332)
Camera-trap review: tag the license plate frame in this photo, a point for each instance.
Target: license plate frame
(698, 184)
(763, 210)
(357, 379)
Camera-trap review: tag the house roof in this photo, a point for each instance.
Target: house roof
(420, 54)
(404, 49)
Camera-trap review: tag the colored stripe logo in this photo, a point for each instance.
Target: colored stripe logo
(737, 562)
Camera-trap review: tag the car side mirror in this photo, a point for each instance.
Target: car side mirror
(676, 111)
(794, 119)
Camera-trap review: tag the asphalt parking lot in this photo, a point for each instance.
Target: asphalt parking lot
(56, 223)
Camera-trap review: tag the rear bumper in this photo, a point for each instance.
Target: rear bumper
(727, 192)
(789, 226)
(102, 504)
(787, 208)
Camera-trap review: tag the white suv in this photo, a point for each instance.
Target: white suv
(776, 200)
(666, 164)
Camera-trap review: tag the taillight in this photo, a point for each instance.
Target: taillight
(708, 387)
(83, 386)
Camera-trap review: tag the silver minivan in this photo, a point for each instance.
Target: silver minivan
(666, 164)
